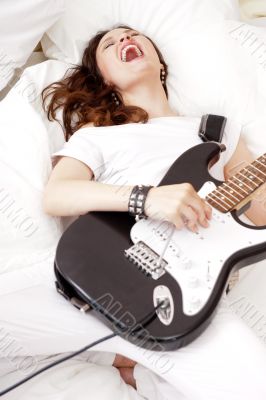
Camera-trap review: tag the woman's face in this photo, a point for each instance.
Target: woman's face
(125, 57)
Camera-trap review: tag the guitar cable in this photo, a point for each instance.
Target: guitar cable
(69, 356)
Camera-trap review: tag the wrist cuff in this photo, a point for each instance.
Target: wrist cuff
(137, 200)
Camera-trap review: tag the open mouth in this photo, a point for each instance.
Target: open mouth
(130, 52)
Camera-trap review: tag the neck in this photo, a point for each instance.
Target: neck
(152, 99)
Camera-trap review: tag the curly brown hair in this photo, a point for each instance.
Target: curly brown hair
(84, 97)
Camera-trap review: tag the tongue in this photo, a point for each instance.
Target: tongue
(131, 54)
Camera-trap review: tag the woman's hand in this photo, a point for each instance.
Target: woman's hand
(179, 204)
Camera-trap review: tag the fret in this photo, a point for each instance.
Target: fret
(225, 196)
(263, 157)
(232, 191)
(261, 163)
(262, 160)
(219, 198)
(240, 185)
(253, 174)
(257, 169)
(216, 194)
(210, 200)
(261, 166)
(250, 180)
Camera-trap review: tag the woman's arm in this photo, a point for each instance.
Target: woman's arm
(241, 157)
(70, 191)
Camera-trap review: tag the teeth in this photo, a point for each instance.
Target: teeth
(125, 49)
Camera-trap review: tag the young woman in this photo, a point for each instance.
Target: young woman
(122, 132)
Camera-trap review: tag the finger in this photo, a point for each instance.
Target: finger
(208, 209)
(190, 218)
(178, 221)
(197, 204)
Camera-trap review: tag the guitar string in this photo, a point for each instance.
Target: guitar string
(165, 247)
(247, 170)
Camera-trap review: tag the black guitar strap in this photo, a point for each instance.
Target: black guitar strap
(212, 128)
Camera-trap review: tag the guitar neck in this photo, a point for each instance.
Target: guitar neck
(240, 188)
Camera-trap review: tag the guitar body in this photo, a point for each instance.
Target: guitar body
(102, 260)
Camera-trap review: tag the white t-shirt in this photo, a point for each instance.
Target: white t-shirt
(138, 153)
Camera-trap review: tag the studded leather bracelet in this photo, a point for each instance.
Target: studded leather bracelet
(137, 200)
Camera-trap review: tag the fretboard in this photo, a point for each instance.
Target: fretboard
(239, 187)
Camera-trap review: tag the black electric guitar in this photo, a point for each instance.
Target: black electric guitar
(157, 286)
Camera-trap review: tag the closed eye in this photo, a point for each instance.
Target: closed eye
(112, 43)
(108, 45)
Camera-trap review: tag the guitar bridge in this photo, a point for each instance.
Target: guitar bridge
(146, 260)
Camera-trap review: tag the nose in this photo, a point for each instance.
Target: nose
(125, 36)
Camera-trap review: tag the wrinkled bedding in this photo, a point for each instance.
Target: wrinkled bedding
(26, 144)
(24, 171)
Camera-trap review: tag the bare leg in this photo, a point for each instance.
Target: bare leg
(125, 367)
(121, 361)
(127, 376)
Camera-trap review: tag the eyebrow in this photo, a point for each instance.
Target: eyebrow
(111, 37)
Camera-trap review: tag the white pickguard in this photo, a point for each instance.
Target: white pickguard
(195, 259)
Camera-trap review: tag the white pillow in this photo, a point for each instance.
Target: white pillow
(33, 80)
(22, 24)
(214, 66)
(27, 235)
(221, 70)
(164, 21)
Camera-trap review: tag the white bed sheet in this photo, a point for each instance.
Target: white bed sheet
(21, 185)
(25, 168)
(76, 377)
(194, 370)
